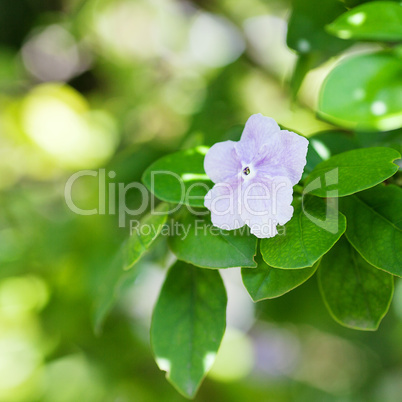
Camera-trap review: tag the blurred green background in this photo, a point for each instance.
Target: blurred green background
(115, 85)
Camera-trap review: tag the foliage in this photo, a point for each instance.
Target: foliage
(188, 325)
(130, 92)
(356, 293)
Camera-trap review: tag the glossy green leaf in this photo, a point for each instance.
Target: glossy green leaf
(314, 228)
(375, 226)
(188, 324)
(356, 294)
(379, 21)
(364, 92)
(195, 240)
(144, 233)
(352, 171)
(265, 282)
(179, 178)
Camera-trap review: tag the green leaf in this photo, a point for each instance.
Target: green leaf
(333, 142)
(188, 324)
(354, 3)
(114, 275)
(324, 144)
(352, 171)
(265, 282)
(144, 234)
(390, 139)
(195, 240)
(364, 92)
(375, 226)
(379, 21)
(313, 158)
(113, 279)
(314, 228)
(356, 294)
(306, 28)
(305, 62)
(179, 178)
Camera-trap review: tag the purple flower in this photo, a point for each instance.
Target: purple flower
(254, 177)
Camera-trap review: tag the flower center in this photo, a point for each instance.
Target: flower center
(246, 171)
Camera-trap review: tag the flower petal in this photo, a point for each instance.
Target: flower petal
(221, 161)
(259, 130)
(284, 157)
(265, 204)
(222, 201)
